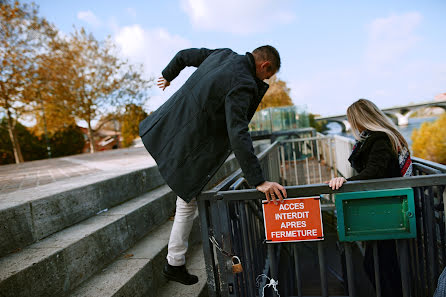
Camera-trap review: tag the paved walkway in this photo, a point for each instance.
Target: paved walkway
(15, 177)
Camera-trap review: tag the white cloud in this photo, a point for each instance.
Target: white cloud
(89, 17)
(153, 48)
(234, 16)
(390, 38)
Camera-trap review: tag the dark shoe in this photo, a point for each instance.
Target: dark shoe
(179, 274)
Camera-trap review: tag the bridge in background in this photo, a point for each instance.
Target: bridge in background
(400, 114)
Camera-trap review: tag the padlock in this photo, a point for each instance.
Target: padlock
(236, 267)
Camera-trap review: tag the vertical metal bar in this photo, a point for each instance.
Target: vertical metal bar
(319, 143)
(208, 250)
(404, 260)
(436, 262)
(306, 162)
(441, 197)
(282, 150)
(414, 265)
(257, 235)
(429, 229)
(227, 277)
(272, 261)
(219, 257)
(376, 266)
(322, 269)
(247, 247)
(238, 247)
(313, 166)
(420, 251)
(270, 165)
(335, 164)
(295, 164)
(297, 269)
(279, 164)
(350, 272)
(330, 153)
(289, 163)
(443, 193)
(253, 238)
(441, 227)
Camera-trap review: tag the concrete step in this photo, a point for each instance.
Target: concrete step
(138, 271)
(59, 263)
(55, 237)
(32, 214)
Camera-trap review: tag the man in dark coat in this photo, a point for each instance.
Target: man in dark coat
(193, 133)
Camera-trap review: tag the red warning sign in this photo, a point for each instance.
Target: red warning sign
(296, 219)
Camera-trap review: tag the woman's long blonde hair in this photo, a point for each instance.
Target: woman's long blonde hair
(364, 114)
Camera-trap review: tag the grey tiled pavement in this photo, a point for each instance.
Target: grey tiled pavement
(15, 177)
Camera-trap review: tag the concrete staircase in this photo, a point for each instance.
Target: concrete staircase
(103, 234)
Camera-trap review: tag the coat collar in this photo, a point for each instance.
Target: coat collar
(262, 86)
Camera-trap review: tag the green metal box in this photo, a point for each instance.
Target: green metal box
(376, 215)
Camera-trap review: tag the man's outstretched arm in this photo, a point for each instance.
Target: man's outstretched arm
(188, 57)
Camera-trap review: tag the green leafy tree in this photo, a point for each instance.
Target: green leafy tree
(67, 141)
(33, 148)
(320, 126)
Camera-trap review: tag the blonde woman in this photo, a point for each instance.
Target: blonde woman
(380, 152)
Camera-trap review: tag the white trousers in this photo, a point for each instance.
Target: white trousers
(179, 235)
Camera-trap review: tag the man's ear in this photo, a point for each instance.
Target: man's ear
(266, 65)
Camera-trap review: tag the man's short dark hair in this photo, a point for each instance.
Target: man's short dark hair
(268, 53)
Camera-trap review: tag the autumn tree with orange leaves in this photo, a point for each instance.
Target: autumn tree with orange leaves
(22, 35)
(429, 141)
(278, 94)
(97, 80)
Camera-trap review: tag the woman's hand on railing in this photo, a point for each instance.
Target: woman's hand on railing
(272, 191)
(336, 182)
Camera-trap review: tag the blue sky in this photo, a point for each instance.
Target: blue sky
(333, 52)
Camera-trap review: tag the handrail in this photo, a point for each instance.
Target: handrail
(431, 164)
(305, 139)
(351, 186)
(267, 150)
(425, 169)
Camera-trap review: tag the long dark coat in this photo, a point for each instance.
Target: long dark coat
(192, 134)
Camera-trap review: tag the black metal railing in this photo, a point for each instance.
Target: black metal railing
(232, 225)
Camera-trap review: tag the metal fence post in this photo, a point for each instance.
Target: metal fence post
(323, 272)
(376, 266)
(208, 250)
(403, 251)
(350, 272)
(297, 269)
(272, 261)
